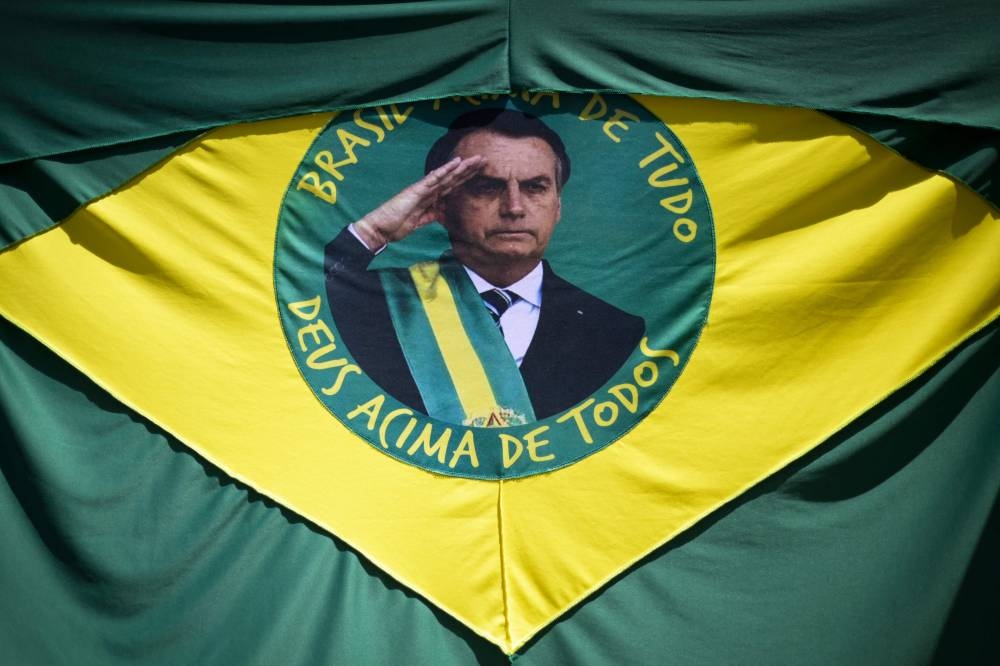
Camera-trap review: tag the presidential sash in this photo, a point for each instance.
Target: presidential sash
(457, 356)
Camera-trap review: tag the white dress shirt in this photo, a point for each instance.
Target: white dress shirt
(521, 318)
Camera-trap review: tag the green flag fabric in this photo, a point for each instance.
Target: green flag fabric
(97, 73)
(121, 545)
(867, 62)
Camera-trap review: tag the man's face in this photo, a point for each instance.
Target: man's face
(505, 214)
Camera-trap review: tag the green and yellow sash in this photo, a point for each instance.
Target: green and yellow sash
(457, 356)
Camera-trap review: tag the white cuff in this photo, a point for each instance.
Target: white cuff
(354, 233)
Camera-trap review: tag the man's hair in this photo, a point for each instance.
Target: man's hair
(506, 122)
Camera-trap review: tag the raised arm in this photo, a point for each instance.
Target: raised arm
(416, 205)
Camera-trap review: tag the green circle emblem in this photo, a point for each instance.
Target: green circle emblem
(407, 347)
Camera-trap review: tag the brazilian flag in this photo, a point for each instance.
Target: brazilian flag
(774, 442)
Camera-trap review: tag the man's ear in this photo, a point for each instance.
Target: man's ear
(558, 208)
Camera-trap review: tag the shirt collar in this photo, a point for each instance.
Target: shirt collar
(528, 288)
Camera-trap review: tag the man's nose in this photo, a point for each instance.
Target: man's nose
(511, 205)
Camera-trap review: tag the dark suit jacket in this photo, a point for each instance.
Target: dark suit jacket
(580, 342)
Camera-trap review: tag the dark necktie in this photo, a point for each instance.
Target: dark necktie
(497, 301)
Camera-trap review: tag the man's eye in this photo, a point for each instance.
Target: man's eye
(484, 187)
(535, 188)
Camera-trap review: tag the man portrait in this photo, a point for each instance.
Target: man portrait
(494, 181)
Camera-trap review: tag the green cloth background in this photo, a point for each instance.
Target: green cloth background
(95, 89)
(121, 546)
(99, 86)
(118, 545)
(95, 73)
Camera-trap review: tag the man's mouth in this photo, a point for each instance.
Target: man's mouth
(512, 233)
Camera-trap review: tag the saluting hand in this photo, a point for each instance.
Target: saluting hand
(415, 206)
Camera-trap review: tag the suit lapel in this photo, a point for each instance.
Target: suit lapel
(551, 336)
